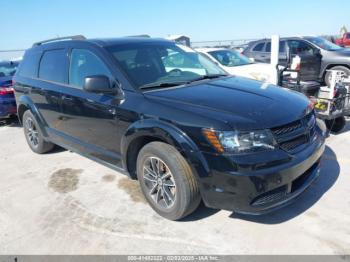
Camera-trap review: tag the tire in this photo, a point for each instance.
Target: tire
(34, 136)
(336, 125)
(327, 76)
(181, 183)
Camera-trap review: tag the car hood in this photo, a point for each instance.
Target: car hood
(257, 71)
(239, 102)
(342, 52)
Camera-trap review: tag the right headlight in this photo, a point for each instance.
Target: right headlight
(240, 141)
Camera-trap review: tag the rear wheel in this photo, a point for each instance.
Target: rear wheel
(33, 134)
(167, 181)
(328, 76)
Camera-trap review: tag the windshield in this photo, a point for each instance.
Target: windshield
(161, 63)
(7, 69)
(323, 43)
(230, 58)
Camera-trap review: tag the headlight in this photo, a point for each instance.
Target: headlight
(240, 141)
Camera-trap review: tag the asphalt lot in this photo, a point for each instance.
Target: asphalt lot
(62, 203)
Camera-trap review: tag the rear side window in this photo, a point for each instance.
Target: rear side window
(281, 47)
(29, 65)
(53, 66)
(84, 63)
(259, 47)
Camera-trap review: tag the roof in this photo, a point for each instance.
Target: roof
(103, 42)
(210, 49)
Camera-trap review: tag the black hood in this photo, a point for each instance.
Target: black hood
(241, 103)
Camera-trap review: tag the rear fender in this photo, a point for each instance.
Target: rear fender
(25, 101)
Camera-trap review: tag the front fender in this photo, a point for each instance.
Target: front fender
(25, 101)
(169, 134)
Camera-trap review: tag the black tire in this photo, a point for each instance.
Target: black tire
(36, 142)
(187, 196)
(340, 68)
(336, 125)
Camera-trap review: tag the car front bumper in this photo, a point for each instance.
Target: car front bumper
(243, 185)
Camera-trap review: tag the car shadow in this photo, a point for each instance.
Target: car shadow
(330, 170)
(12, 122)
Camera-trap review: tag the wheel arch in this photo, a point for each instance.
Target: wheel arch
(24, 104)
(329, 66)
(146, 131)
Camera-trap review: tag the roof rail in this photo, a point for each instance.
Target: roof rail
(73, 37)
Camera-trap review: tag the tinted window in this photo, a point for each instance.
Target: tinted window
(300, 47)
(53, 66)
(230, 58)
(282, 46)
(162, 62)
(84, 63)
(348, 36)
(259, 47)
(29, 65)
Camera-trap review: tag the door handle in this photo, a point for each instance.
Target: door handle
(68, 98)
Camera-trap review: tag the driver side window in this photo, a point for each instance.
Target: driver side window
(84, 63)
(298, 47)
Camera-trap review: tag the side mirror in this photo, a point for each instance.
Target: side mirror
(317, 51)
(101, 84)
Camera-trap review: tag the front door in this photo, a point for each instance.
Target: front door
(89, 119)
(310, 59)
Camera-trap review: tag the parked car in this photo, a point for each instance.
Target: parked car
(317, 55)
(237, 64)
(344, 41)
(7, 99)
(186, 136)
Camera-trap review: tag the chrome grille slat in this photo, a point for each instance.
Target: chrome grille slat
(293, 135)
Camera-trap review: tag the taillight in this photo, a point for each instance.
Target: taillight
(6, 90)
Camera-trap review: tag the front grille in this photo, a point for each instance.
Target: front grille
(293, 135)
(287, 128)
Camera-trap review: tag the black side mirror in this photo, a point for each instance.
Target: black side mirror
(101, 84)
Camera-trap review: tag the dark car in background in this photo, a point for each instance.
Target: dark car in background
(7, 99)
(187, 131)
(317, 55)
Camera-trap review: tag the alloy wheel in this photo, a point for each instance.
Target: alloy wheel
(159, 182)
(32, 132)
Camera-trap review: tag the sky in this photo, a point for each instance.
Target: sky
(28, 21)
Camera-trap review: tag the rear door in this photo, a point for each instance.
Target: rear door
(46, 88)
(258, 53)
(310, 59)
(89, 119)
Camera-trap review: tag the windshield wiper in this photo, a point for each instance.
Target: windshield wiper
(162, 84)
(208, 77)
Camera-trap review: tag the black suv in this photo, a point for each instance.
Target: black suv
(318, 55)
(172, 119)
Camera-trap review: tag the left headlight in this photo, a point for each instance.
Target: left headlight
(240, 141)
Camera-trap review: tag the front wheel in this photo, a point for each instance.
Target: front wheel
(167, 181)
(33, 134)
(328, 76)
(336, 125)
